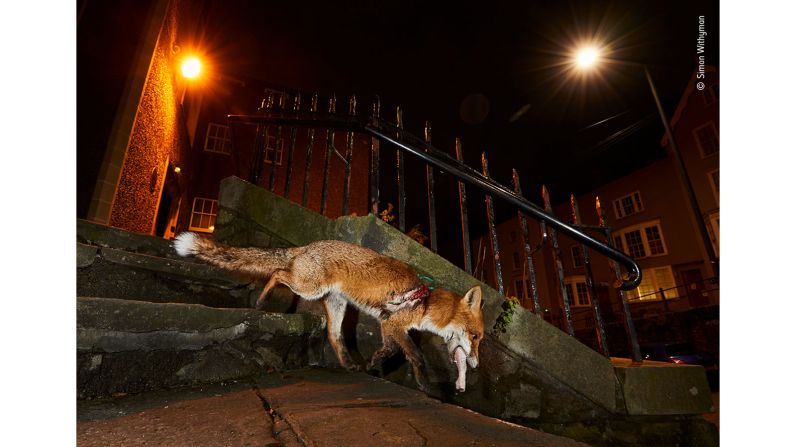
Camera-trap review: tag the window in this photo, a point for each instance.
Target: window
(714, 180)
(576, 256)
(653, 280)
(278, 97)
(272, 151)
(202, 217)
(218, 139)
(642, 240)
(707, 139)
(577, 290)
(629, 204)
(714, 225)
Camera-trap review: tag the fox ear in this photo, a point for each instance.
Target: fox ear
(473, 298)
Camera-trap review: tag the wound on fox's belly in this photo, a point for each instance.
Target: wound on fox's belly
(460, 359)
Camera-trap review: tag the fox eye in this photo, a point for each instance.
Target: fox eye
(474, 336)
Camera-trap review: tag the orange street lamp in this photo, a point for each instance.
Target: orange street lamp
(191, 67)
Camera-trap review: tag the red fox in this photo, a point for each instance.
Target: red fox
(339, 273)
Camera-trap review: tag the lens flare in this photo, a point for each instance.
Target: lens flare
(191, 67)
(587, 57)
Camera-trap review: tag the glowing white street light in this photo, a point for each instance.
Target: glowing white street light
(587, 57)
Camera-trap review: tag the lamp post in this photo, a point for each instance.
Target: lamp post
(587, 58)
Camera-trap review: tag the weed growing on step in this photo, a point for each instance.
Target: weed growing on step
(506, 316)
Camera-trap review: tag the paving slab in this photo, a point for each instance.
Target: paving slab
(325, 407)
(205, 418)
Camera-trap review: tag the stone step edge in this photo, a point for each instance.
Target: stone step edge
(116, 325)
(204, 273)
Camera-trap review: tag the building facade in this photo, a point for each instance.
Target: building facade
(652, 221)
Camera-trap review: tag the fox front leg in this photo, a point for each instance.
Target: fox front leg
(386, 351)
(335, 312)
(414, 356)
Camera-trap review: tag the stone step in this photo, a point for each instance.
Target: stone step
(110, 272)
(126, 346)
(90, 233)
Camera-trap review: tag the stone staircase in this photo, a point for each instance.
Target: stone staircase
(148, 319)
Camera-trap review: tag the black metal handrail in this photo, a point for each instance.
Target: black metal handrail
(386, 131)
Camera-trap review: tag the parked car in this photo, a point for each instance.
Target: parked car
(677, 352)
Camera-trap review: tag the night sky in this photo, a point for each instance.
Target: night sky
(493, 73)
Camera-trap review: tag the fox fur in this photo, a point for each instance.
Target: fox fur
(339, 273)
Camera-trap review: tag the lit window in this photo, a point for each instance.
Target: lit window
(577, 290)
(707, 139)
(629, 204)
(640, 241)
(218, 139)
(202, 217)
(653, 280)
(273, 151)
(576, 256)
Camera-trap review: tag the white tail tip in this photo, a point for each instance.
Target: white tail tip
(185, 244)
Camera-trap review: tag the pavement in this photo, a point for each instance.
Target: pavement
(308, 407)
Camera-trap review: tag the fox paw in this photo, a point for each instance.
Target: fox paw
(353, 367)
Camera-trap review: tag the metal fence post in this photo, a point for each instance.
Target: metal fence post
(401, 176)
(276, 146)
(308, 163)
(529, 267)
(556, 256)
(293, 136)
(346, 186)
(629, 325)
(601, 337)
(375, 160)
(462, 205)
(332, 109)
(431, 197)
(493, 229)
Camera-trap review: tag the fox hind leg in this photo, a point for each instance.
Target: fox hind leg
(278, 277)
(335, 313)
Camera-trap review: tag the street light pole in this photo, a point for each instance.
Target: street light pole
(713, 259)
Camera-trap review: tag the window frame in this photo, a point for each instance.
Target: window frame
(637, 204)
(574, 257)
(213, 204)
(711, 124)
(619, 237)
(226, 140)
(272, 149)
(571, 283)
(715, 185)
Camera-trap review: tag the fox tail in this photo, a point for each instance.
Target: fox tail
(257, 263)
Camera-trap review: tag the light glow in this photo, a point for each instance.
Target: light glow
(191, 67)
(587, 57)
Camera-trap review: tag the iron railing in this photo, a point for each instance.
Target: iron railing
(382, 131)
